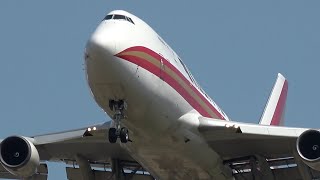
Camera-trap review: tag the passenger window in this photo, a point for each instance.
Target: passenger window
(185, 69)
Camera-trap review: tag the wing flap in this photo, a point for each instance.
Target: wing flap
(41, 174)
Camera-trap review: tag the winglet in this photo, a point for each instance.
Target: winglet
(274, 111)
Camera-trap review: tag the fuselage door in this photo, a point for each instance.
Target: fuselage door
(162, 66)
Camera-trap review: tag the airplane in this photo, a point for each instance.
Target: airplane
(164, 125)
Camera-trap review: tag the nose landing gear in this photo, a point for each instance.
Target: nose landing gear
(123, 134)
(118, 131)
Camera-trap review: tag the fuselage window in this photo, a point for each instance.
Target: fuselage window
(193, 80)
(186, 69)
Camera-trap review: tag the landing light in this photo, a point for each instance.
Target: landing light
(92, 129)
(232, 125)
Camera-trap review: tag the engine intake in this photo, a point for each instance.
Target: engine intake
(308, 147)
(19, 156)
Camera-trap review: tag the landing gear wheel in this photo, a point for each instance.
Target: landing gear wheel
(124, 135)
(112, 135)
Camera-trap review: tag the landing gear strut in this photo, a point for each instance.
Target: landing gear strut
(118, 132)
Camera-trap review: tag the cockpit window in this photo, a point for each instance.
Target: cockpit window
(118, 17)
(129, 19)
(108, 17)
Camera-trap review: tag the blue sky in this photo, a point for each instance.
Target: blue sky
(234, 49)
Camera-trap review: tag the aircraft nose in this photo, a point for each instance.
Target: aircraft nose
(101, 42)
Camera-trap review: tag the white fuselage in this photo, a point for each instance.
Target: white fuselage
(129, 61)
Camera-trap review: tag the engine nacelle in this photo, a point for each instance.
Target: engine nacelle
(19, 156)
(308, 147)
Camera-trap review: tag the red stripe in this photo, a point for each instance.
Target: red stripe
(173, 83)
(156, 71)
(143, 63)
(278, 113)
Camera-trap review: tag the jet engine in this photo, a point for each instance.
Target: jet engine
(19, 156)
(308, 147)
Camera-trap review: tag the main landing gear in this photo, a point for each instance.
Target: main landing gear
(118, 132)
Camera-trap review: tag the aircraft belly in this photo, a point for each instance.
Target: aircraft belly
(165, 162)
(167, 157)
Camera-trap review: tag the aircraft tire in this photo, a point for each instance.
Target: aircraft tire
(112, 135)
(124, 135)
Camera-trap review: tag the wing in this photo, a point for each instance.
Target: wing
(90, 142)
(82, 149)
(244, 146)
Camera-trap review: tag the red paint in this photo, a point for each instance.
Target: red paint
(172, 82)
(278, 113)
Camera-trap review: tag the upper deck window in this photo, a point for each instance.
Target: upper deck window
(118, 17)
